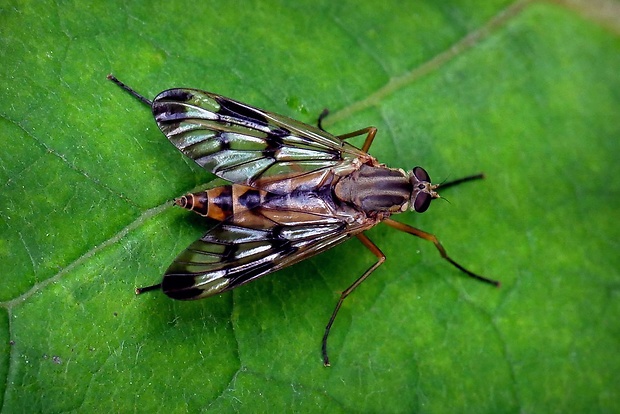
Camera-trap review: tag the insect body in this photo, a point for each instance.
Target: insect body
(295, 191)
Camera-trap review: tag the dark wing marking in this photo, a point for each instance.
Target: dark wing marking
(229, 255)
(243, 144)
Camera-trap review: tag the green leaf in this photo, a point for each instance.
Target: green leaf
(527, 92)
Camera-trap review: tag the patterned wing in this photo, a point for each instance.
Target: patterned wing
(243, 144)
(229, 255)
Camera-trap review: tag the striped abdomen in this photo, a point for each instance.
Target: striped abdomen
(220, 203)
(248, 206)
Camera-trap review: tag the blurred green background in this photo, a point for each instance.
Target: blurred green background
(528, 92)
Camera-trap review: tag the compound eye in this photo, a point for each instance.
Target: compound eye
(421, 174)
(422, 201)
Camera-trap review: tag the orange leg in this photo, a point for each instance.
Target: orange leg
(375, 250)
(371, 131)
(433, 239)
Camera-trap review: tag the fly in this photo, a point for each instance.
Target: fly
(294, 191)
